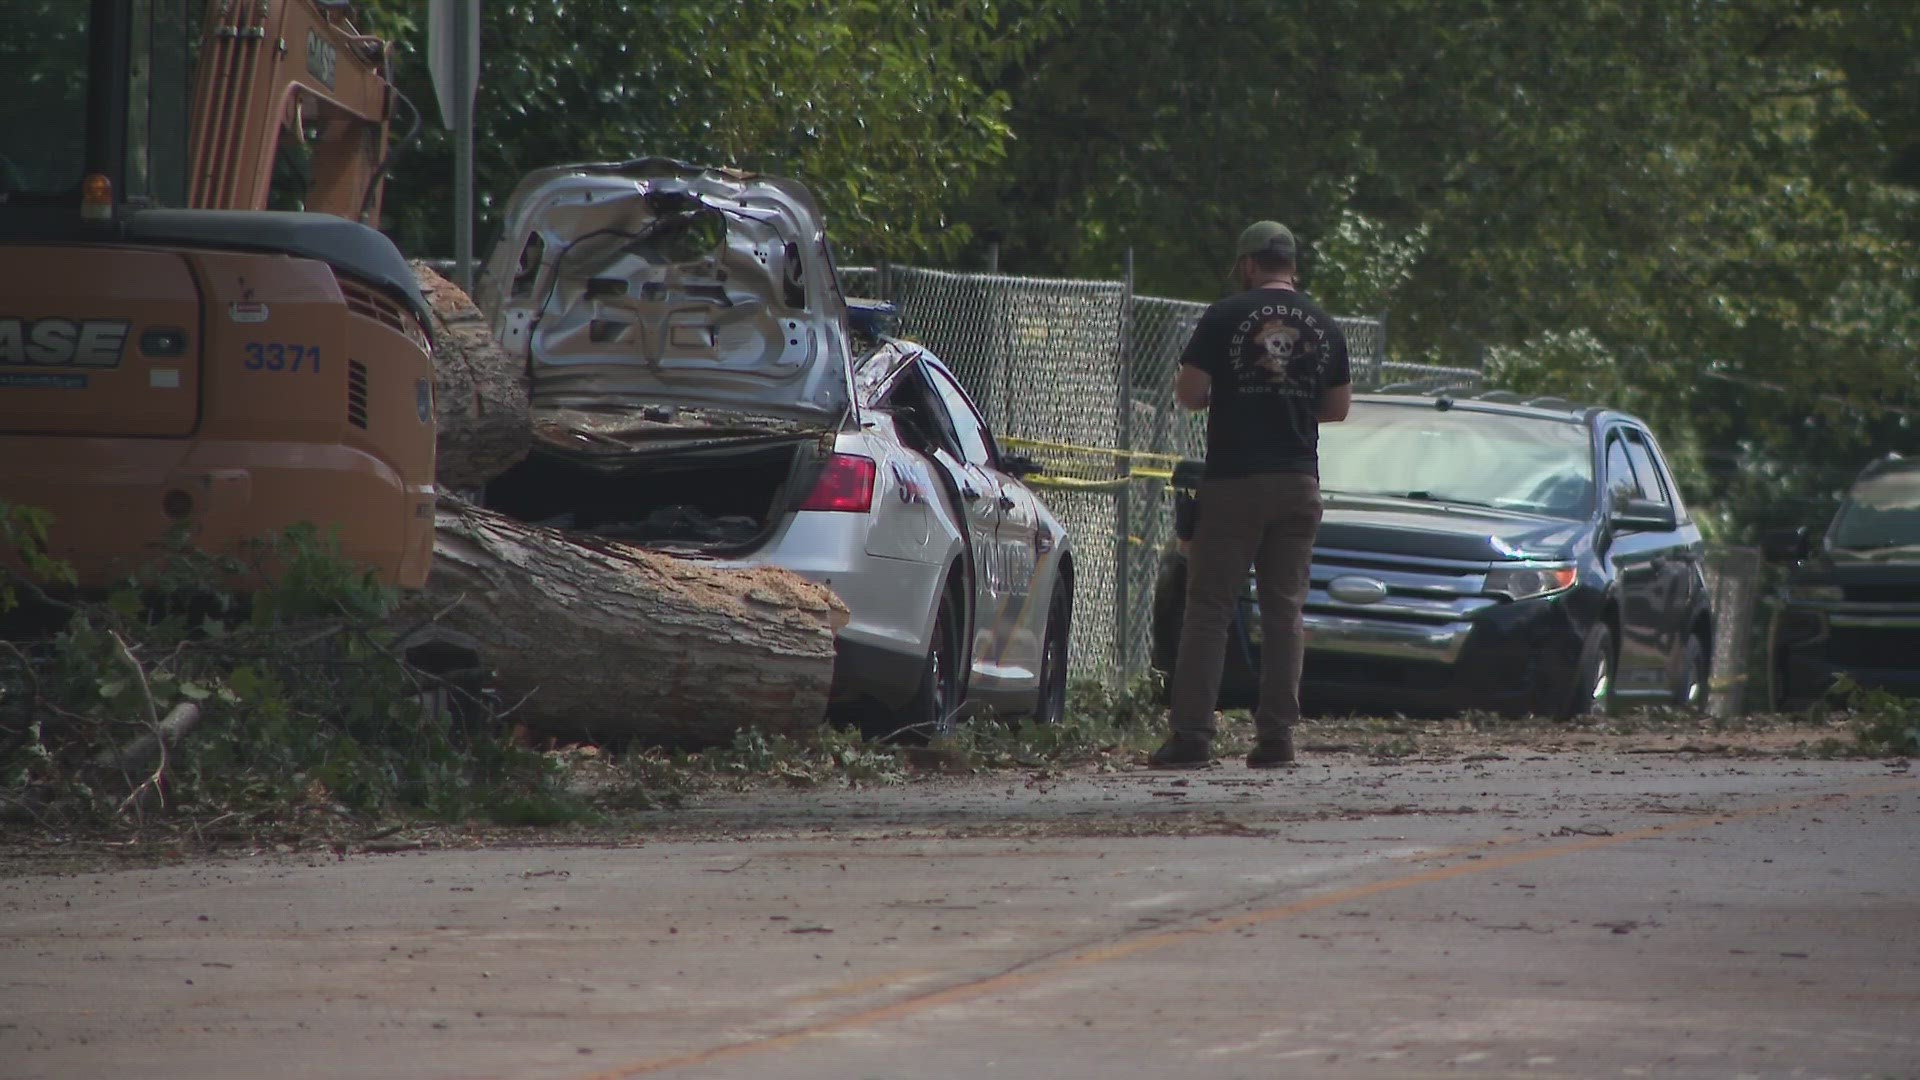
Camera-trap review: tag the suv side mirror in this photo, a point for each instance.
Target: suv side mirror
(1786, 545)
(1645, 515)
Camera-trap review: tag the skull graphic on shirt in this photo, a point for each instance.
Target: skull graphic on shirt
(1276, 353)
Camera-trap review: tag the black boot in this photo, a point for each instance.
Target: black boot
(1272, 751)
(1183, 750)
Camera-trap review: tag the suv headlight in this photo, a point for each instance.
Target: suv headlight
(1526, 582)
(1816, 594)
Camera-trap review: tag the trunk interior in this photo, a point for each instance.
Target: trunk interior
(717, 500)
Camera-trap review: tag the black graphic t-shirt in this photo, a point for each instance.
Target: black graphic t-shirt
(1271, 353)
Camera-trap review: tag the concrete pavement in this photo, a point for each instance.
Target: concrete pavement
(1552, 915)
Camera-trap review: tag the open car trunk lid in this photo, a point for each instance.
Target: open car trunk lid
(658, 283)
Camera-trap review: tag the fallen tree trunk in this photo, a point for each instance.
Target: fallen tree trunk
(606, 641)
(480, 391)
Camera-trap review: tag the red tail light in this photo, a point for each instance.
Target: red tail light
(845, 485)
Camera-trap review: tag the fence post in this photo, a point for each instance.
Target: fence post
(1380, 351)
(1123, 498)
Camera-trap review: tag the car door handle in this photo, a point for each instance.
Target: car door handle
(1007, 503)
(969, 494)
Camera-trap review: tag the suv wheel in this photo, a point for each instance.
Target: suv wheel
(1592, 693)
(1695, 684)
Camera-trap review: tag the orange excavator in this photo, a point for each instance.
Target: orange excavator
(173, 352)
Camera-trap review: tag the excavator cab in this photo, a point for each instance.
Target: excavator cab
(173, 354)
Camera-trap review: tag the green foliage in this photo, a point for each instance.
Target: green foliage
(302, 696)
(831, 754)
(887, 111)
(23, 534)
(1706, 212)
(1102, 723)
(1884, 724)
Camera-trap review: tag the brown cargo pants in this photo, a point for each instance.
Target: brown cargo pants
(1269, 522)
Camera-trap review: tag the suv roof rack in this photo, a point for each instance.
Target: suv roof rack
(1490, 395)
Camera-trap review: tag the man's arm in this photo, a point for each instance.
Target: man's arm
(1335, 402)
(1337, 398)
(1193, 383)
(1192, 387)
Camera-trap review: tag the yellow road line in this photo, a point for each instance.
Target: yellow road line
(1151, 942)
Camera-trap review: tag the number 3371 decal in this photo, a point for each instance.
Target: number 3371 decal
(279, 356)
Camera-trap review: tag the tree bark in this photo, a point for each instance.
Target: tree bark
(610, 642)
(480, 391)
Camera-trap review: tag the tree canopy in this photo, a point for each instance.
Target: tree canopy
(1700, 210)
(887, 110)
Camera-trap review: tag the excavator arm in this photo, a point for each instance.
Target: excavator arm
(274, 69)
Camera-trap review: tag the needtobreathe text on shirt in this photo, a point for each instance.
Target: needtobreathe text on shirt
(1271, 355)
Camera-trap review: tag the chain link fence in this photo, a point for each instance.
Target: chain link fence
(1082, 372)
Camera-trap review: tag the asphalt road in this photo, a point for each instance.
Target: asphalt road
(1542, 916)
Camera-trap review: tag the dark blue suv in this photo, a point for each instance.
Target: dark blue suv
(1852, 602)
(1482, 552)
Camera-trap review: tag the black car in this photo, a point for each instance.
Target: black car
(1481, 552)
(1852, 601)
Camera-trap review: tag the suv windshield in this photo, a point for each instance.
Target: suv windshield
(1535, 465)
(1881, 512)
(43, 121)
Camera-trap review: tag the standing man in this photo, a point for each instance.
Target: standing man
(1269, 367)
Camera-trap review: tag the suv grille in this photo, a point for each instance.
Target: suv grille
(1428, 591)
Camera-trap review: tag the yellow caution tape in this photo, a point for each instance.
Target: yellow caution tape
(1072, 467)
(1169, 460)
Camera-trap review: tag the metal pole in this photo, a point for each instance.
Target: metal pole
(464, 14)
(1123, 499)
(1380, 352)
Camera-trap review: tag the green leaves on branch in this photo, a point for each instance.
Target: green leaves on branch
(888, 111)
(303, 695)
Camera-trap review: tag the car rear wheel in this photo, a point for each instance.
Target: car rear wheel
(1592, 693)
(1051, 708)
(930, 712)
(1695, 683)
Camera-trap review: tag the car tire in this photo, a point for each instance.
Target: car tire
(1051, 705)
(1694, 687)
(931, 712)
(1593, 684)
